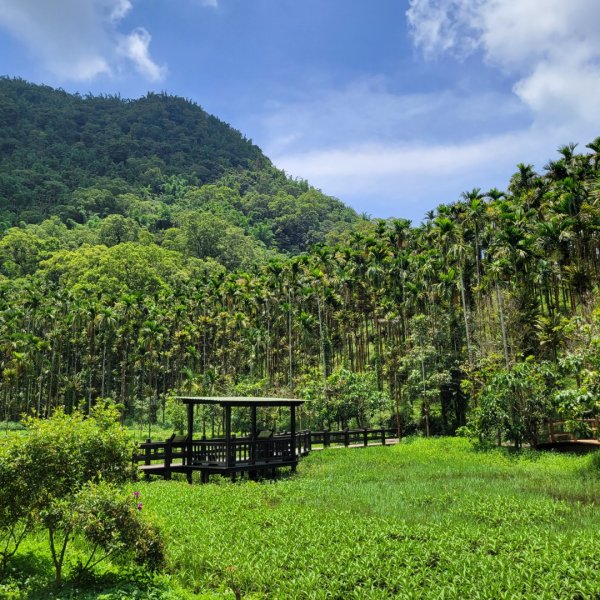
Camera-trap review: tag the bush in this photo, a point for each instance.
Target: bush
(60, 454)
(62, 476)
(16, 505)
(110, 521)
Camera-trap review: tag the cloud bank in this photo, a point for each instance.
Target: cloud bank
(394, 153)
(80, 39)
(552, 49)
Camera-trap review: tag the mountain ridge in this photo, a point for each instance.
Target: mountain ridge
(59, 149)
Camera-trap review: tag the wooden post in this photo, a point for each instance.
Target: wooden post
(346, 437)
(253, 434)
(190, 438)
(228, 460)
(293, 435)
(147, 452)
(365, 436)
(168, 456)
(383, 436)
(325, 438)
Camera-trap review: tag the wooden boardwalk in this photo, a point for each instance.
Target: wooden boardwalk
(251, 455)
(265, 452)
(581, 435)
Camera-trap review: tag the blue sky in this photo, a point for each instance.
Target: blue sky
(394, 106)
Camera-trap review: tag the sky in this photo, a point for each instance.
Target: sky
(393, 106)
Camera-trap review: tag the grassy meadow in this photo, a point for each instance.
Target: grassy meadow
(424, 519)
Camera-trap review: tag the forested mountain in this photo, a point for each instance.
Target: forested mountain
(485, 316)
(154, 160)
(53, 142)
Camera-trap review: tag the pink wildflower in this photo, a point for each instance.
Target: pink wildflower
(139, 506)
(136, 495)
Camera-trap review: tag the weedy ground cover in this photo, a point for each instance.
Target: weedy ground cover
(424, 519)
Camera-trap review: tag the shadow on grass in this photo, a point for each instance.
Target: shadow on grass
(31, 576)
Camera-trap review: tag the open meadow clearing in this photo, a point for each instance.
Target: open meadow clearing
(428, 518)
(424, 519)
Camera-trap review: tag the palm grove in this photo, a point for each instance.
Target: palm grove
(148, 249)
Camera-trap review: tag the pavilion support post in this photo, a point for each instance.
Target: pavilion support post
(190, 436)
(253, 433)
(229, 461)
(293, 435)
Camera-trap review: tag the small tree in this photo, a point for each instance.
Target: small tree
(17, 516)
(109, 520)
(514, 402)
(61, 476)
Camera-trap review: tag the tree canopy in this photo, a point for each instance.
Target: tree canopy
(151, 275)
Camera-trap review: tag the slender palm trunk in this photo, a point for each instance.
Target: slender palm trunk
(464, 307)
(502, 326)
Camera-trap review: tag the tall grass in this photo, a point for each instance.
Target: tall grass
(424, 519)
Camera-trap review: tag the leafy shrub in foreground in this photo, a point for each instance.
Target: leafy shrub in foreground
(109, 520)
(62, 477)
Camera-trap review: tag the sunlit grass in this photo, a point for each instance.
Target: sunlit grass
(426, 518)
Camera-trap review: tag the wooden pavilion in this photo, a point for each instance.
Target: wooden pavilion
(230, 455)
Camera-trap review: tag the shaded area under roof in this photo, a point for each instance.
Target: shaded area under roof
(240, 400)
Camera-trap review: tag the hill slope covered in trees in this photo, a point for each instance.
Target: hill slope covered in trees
(154, 160)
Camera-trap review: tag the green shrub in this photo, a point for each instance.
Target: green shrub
(110, 521)
(62, 476)
(17, 516)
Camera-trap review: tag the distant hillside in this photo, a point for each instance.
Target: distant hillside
(73, 156)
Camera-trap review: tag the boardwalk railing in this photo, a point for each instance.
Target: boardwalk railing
(173, 455)
(571, 430)
(168, 455)
(351, 437)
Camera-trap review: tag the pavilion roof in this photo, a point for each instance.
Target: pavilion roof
(240, 400)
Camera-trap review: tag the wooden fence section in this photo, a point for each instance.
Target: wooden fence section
(217, 455)
(162, 458)
(578, 430)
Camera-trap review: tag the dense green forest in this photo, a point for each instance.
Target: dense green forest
(161, 161)
(148, 248)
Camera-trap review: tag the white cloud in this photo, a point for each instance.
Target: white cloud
(396, 153)
(118, 9)
(136, 47)
(210, 3)
(551, 49)
(402, 179)
(78, 39)
(444, 25)
(391, 153)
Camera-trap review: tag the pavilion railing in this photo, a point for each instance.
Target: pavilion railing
(245, 451)
(170, 453)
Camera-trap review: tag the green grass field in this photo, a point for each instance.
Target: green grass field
(424, 519)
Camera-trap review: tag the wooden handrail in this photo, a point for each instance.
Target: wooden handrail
(249, 450)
